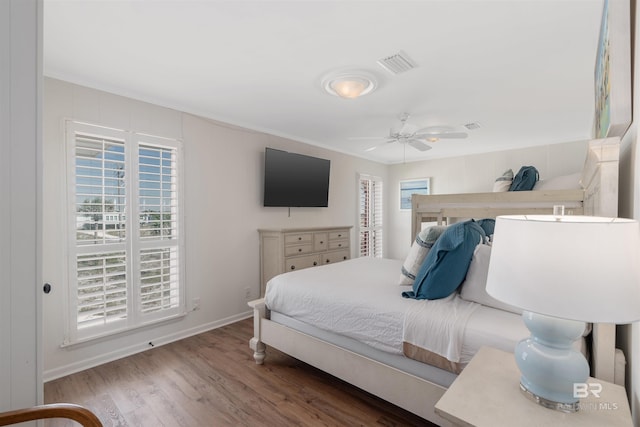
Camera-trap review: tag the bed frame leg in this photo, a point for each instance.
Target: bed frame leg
(258, 347)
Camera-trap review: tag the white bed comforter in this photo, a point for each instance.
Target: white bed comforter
(361, 299)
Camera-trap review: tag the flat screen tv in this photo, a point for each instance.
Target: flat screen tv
(295, 180)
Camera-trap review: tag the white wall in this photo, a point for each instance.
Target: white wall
(20, 143)
(223, 204)
(471, 174)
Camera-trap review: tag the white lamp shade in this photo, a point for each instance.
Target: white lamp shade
(573, 267)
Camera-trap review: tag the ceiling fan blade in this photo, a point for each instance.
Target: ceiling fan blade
(436, 129)
(453, 135)
(442, 135)
(407, 129)
(375, 146)
(414, 136)
(419, 145)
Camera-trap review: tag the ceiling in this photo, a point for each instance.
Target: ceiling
(522, 70)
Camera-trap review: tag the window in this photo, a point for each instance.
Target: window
(125, 221)
(370, 212)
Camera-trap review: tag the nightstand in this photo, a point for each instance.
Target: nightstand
(487, 393)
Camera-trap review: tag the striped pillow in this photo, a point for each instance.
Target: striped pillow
(503, 183)
(419, 250)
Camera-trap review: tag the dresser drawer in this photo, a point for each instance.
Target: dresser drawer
(300, 262)
(336, 256)
(290, 250)
(298, 238)
(320, 242)
(338, 244)
(339, 234)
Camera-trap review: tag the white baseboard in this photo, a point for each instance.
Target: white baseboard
(81, 365)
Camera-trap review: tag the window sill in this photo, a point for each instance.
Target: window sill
(119, 332)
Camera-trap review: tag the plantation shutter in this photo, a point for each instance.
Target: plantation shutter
(100, 250)
(125, 241)
(158, 219)
(370, 216)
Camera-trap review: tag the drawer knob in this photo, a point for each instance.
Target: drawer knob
(339, 245)
(315, 262)
(345, 257)
(293, 267)
(299, 238)
(328, 261)
(321, 242)
(299, 249)
(339, 235)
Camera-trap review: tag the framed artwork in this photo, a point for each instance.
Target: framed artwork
(612, 71)
(413, 186)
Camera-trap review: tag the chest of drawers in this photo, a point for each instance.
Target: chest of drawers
(290, 249)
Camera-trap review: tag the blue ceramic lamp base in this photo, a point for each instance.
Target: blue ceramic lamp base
(549, 364)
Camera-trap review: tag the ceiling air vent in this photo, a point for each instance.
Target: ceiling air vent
(472, 126)
(397, 63)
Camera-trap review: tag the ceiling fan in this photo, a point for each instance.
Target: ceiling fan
(415, 137)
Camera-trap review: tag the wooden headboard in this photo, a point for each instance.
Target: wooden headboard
(599, 197)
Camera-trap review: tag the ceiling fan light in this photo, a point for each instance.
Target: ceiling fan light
(433, 139)
(349, 85)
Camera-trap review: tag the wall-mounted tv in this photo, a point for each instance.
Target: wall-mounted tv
(295, 180)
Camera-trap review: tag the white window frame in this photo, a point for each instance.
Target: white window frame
(375, 230)
(132, 243)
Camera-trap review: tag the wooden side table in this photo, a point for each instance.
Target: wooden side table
(487, 393)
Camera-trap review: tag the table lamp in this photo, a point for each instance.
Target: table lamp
(563, 271)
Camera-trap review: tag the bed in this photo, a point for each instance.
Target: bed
(350, 341)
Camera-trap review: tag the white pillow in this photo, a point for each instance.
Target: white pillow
(418, 252)
(503, 182)
(474, 286)
(564, 182)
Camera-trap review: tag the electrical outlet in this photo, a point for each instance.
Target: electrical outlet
(196, 303)
(247, 293)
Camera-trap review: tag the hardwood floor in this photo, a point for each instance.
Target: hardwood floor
(211, 380)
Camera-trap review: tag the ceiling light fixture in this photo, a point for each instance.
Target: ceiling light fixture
(349, 84)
